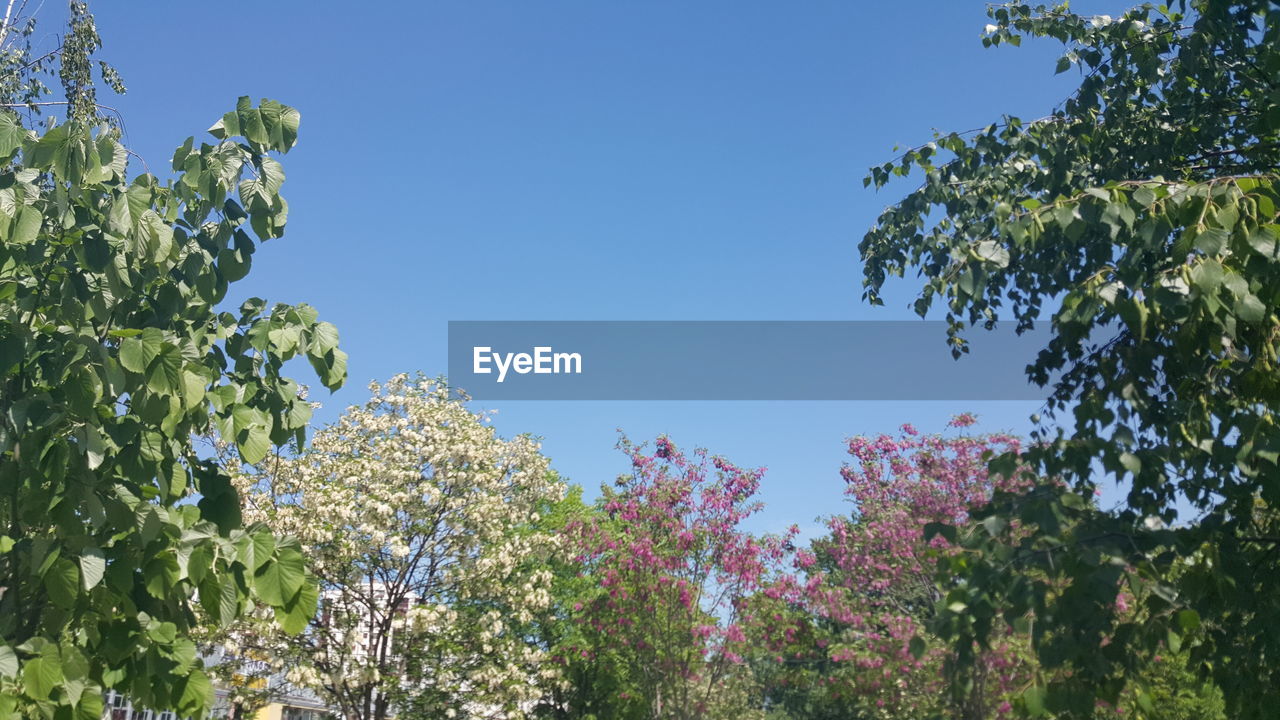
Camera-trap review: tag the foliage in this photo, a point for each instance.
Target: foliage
(1176, 693)
(597, 677)
(23, 65)
(112, 356)
(674, 571)
(848, 629)
(1141, 216)
(421, 526)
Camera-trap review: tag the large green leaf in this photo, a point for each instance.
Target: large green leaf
(8, 662)
(136, 353)
(40, 675)
(278, 581)
(62, 582)
(93, 564)
(12, 134)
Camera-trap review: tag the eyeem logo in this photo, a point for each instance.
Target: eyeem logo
(542, 362)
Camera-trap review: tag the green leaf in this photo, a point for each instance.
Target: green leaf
(220, 598)
(993, 252)
(227, 126)
(62, 582)
(324, 337)
(1033, 700)
(162, 632)
(272, 175)
(1212, 241)
(917, 647)
(137, 352)
(234, 264)
(1144, 700)
(128, 208)
(197, 694)
(8, 662)
(293, 618)
(93, 564)
(336, 373)
(40, 675)
(12, 134)
(1131, 462)
(84, 389)
(1250, 309)
(1207, 276)
(252, 127)
(278, 581)
(299, 414)
(946, 530)
(254, 443)
(165, 374)
(263, 545)
(26, 227)
(1263, 241)
(1188, 620)
(994, 525)
(1065, 216)
(193, 388)
(281, 122)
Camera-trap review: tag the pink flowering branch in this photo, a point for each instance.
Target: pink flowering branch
(675, 569)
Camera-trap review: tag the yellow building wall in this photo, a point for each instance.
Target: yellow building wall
(270, 712)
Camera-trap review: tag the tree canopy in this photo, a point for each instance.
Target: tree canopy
(1139, 218)
(114, 354)
(422, 527)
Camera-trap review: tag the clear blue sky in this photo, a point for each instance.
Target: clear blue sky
(593, 160)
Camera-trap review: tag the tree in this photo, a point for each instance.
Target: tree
(597, 676)
(846, 630)
(675, 570)
(421, 526)
(22, 65)
(112, 357)
(1140, 216)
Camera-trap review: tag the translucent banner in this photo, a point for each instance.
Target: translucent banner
(738, 360)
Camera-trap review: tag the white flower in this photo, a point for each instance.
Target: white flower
(990, 29)
(415, 485)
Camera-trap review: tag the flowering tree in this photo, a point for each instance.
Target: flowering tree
(420, 524)
(595, 684)
(674, 569)
(848, 627)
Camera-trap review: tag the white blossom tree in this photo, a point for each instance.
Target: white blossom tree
(421, 526)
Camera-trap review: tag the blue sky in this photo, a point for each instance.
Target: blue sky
(565, 160)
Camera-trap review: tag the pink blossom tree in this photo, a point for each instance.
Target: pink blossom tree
(674, 570)
(845, 627)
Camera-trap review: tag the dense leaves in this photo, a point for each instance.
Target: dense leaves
(422, 527)
(1140, 218)
(850, 628)
(113, 356)
(673, 569)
